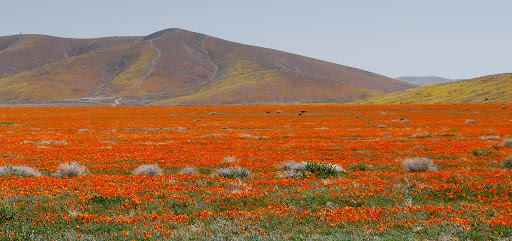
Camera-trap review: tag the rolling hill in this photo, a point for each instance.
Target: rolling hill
(487, 89)
(173, 67)
(425, 80)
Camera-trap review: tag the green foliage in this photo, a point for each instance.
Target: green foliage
(7, 213)
(483, 152)
(107, 200)
(360, 167)
(321, 170)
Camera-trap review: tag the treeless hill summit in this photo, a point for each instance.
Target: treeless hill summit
(173, 67)
(487, 89)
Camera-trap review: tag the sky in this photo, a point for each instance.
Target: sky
(455, 39)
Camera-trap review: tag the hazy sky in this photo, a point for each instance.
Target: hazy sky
(448, 38)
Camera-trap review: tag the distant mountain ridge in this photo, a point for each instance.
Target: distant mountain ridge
(486, 89)
(173, 67)
(425, 80)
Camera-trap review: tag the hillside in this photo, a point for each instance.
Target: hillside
(487, 89)
(425, 80)
(173, 67)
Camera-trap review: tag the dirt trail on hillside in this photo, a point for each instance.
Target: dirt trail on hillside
(152, 64)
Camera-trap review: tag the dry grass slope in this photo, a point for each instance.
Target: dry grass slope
(487, 89)
(174, 67)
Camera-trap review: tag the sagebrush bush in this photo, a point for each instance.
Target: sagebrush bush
(70, 169)
(22, 171)
(291, 174)
(5, 171)
(292, 166)
(188, 170)
(419, 164)
(507, 163)
(149, 170)
(233, 172)
(294, 169)
(507, 143)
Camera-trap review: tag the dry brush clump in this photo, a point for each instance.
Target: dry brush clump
(70, 169)
(21, 171)
(507, 143)
(507, 163)
(188, 171)
(419, 164)
(294, 169)
(149, 170)
(233, 172)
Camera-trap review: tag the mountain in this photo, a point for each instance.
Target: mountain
(173, 67)
(487, 89)
(426, 80)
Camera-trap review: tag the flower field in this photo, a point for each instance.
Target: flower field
(467, 196)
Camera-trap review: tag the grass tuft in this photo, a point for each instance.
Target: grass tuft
(188, 171)
(71, 169)
(292, 166)
(233, 172)
(21, 171)
(149, 170)
(507, 163)
(419, 164)
(507, 143)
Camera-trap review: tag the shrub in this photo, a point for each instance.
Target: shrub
(24, 171)
(507, 163)
(71, 169)
(149, 170)
(294, 169)
(419, 164)
(292, 166)
(482, 152)
(291, 174)
(188, 171)
(5, 171)
(233, 172)
(323, 170)
(491, 137)
(507, 143)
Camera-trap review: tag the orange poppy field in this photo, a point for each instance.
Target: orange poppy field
(370, 196)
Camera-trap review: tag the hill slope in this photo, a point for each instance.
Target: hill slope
(172, 67)
(425, 80)
(487, 89)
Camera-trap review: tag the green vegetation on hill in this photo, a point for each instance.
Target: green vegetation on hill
(487, 89)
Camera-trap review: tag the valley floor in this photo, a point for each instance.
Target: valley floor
(372, 197)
